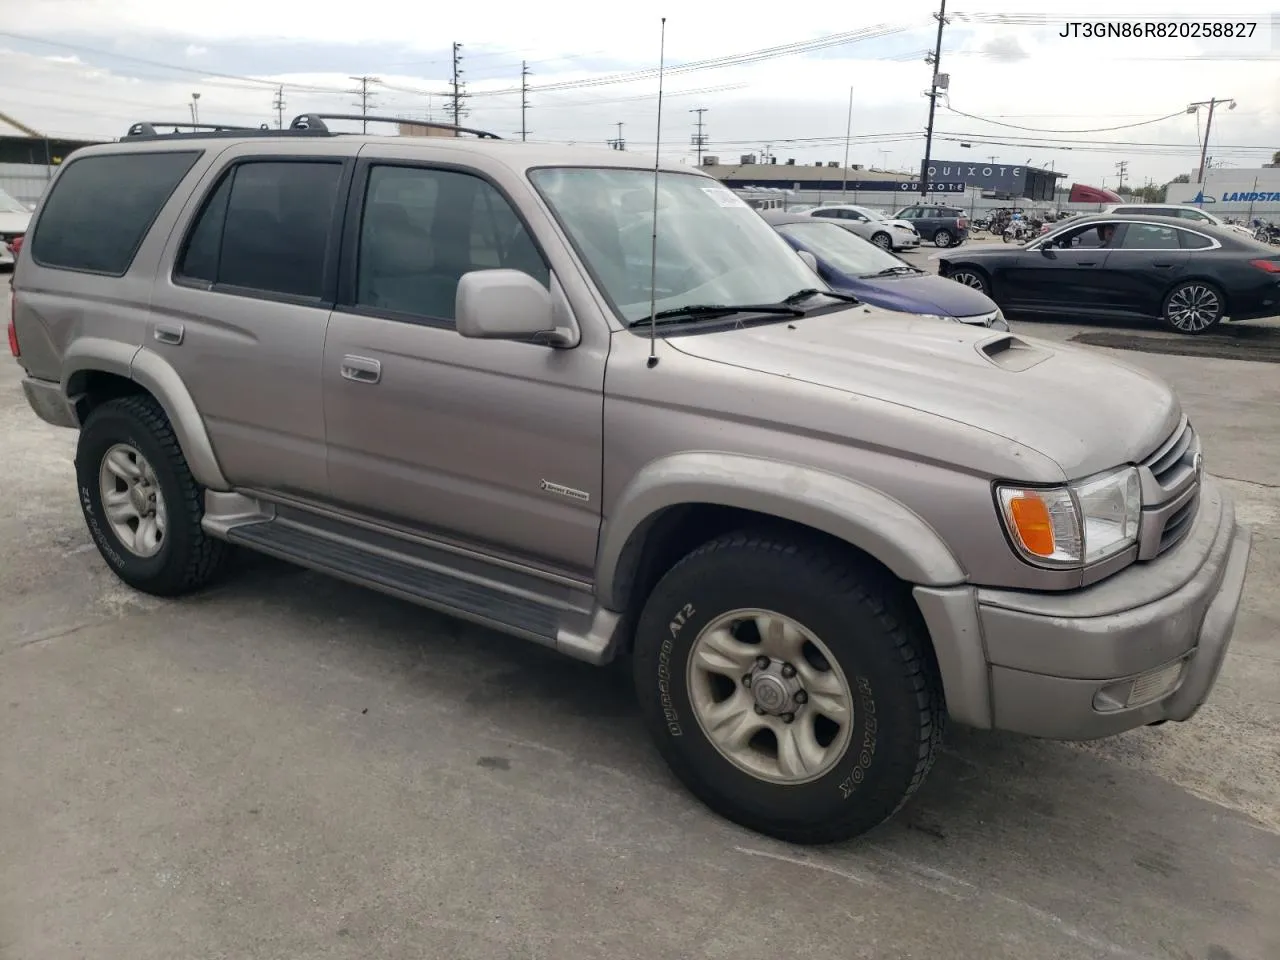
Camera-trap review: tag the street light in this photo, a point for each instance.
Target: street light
(1195, 108)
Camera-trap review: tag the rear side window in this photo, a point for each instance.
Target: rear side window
(102, 207)
(1193, 241)
(266, 227)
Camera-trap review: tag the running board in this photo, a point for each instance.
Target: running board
(582, 630)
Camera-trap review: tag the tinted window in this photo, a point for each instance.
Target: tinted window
(1193, 241)
(911, 213)
(266, 227)
(102, 207)
(825, 213)
(1148, 236)
(423, 229)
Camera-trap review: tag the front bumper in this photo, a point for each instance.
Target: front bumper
(905, 241)
(1142, 646)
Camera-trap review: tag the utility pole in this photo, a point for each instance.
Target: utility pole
(195, 108)
(524, 98)
(699, 140)
(1195, 108)
(1122, 167)
(934, 60)
(618, 143)
(363, 103)
(278, 106)
(458, 87)
(848, 134)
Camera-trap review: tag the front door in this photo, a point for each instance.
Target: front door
(241, 305)
(493, 445)
(1066, 276)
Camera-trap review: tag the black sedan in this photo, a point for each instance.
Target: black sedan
(1190, 275)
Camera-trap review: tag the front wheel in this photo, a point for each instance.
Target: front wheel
(140, 501)
(1193, 307)
(883, 241)
(790, 691)
(969, 277)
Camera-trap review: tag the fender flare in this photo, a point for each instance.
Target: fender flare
(154, 374)
(857, 514)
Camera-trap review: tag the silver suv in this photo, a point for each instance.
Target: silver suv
(451, 369)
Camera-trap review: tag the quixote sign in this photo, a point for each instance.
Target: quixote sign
(998, 177)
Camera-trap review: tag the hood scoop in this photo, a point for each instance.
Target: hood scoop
(1010, 353)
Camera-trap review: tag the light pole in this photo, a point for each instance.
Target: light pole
(848, 132)
(1195, 108)
(195, 108)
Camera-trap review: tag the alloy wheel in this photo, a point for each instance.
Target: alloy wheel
(132, 501)
(1193, 308)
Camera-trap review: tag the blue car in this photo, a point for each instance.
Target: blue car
(852, 265)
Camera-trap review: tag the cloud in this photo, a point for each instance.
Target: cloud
(1005, 49)
(124, 62)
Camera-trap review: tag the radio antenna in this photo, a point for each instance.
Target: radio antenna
(653, 248)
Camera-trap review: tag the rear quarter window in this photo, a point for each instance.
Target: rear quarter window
(101, 208)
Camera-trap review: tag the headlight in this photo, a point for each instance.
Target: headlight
(1075, 525)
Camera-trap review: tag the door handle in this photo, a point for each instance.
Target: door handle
(1086, 263)
(170, 333)
(361, 369)
(1163, 266)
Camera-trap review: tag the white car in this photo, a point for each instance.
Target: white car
(870, 225)
(1179, 210)
(14, 219)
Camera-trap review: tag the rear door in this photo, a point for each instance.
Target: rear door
(241, 303)
(1145, 262)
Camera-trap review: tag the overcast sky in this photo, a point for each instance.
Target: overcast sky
(88, 68)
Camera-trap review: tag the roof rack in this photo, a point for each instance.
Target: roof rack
(315, 122)
(151, 128)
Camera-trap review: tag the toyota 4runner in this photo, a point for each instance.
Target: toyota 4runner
(477, 375)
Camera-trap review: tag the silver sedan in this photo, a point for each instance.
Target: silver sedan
(882, 231)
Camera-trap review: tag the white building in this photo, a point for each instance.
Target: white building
(1249, 193)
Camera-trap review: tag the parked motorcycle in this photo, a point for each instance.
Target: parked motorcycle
(1018, 231)
(1267, 233)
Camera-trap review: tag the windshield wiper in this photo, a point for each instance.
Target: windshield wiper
(702, 311)
(800, 296)
(892, 272)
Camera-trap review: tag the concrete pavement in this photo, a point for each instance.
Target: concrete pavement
(289, 767)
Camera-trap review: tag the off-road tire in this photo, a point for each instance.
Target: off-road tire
(188, 558)
(874, 632)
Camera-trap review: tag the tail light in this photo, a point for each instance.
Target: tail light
(13, 327)
(1270, 266)
(15, 245)
(964, 224)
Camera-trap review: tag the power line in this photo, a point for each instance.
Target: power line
(457, 87)
(699, 140)
(524, 99)
(1122, 167)
(1204, 145)
(1014, 126)
(364, 103)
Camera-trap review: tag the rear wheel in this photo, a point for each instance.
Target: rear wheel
(944, 238)
(882, 240)
(140, 501)
(790, 691)
(1193, 307)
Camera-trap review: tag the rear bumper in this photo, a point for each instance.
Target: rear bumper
(1142, 646)
(49, 402)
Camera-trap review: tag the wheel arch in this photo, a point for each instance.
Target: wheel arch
(676, 503)
(95, 371)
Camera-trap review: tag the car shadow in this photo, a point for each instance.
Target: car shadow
(1048, 829)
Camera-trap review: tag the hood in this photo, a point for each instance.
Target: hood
(922, 294)
(1084, 411)
(904, 223)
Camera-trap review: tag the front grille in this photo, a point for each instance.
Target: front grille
(1171, 503)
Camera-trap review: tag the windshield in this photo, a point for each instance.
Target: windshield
(10, 205)
(842, 250)
(712, 247)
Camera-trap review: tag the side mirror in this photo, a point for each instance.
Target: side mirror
(1048, 251)
(507, 305)
(809, 259)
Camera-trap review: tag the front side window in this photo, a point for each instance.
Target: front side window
(422, 229)
(840, 249)
(712, 248)
(101, 208)
(266, 227)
